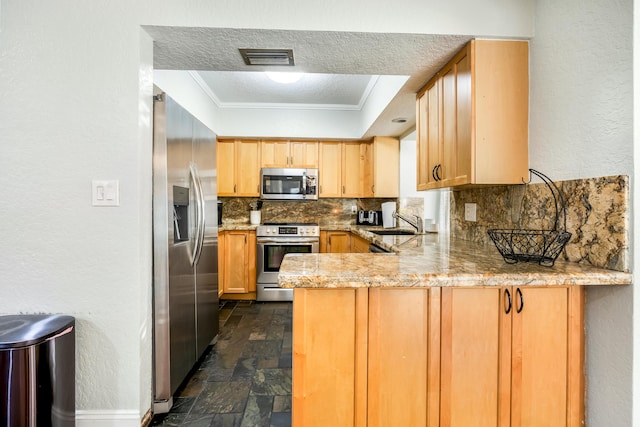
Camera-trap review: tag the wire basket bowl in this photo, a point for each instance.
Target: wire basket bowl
(541, 246)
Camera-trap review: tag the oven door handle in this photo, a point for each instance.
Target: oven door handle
(288, 241)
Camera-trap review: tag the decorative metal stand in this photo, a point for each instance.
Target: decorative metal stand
(541, 246)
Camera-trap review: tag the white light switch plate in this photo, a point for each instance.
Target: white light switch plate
(470, 212)
(105, 193)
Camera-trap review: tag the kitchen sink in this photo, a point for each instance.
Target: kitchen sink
(393, 232)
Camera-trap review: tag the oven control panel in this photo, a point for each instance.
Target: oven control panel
(287, 230)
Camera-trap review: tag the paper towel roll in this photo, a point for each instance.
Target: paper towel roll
(388, 208)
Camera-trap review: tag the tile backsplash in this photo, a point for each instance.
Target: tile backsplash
(323, 211)
(597, 216)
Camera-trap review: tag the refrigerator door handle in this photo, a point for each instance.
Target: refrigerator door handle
(197, 245)
(202, 219)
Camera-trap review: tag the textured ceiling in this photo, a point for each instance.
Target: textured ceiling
(216, 49)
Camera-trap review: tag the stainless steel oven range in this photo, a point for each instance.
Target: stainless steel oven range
(274, 241)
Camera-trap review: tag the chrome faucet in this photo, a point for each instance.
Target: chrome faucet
(417, 223)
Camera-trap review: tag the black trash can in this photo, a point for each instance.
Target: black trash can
(37, 371)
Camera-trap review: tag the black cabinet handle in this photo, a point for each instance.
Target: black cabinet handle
(507, 295)
(433, 173)
(438, 178)
(519, 294)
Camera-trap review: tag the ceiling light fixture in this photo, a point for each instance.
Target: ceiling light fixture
(285, 78)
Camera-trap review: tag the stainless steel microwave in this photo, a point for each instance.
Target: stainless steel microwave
(288, 184)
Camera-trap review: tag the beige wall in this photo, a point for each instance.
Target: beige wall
(581, 127)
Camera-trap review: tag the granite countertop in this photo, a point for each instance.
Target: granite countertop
(229, 226)
(432, 260)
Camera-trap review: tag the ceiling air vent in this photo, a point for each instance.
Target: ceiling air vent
(267, 56)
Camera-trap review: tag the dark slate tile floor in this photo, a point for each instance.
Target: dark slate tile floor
(244, 380)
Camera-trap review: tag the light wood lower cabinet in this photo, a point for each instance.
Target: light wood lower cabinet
(358, 244)
(335, 242)
(342, 242)
(398, 334)
(237, 262)
(512, 356)
(329, 357)
(439, 357)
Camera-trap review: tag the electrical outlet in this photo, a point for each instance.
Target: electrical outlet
(470, 212)
(354, 209)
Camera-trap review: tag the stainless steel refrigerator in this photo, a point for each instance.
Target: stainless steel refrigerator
(185, 245)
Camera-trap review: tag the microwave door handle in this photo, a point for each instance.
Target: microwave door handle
(304, 184)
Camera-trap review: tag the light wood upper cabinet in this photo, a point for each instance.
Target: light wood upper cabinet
(527, 359)
(238, 168)
(226, 167)
(237, 261)
(304, 154)
(346, 169)
(472, 118)
(357, 169)
(386, 167)
(274, 154)
(289, 154)
(429, 150)
(330, 169)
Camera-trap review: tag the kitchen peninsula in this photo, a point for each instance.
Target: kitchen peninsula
(443, 332)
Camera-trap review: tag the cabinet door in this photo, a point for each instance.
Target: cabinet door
(434, 137)
(236, 262)
(547, 367)
(248, 168)
(447, 170)
(422, 142)
(330, 169)
(222, 280)
(474, 346)
(358, 244)
(464, 160)
(338, 242)
(398, 348)
(251, 272)
(275, 154)
(329, 362)
(386, 167)
(501, 111)
(367, 169)
(429, 141)
(303, 154)
(357, 169)
(226, 167)
(483, 103)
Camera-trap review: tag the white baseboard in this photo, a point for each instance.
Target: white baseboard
(118, 418)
